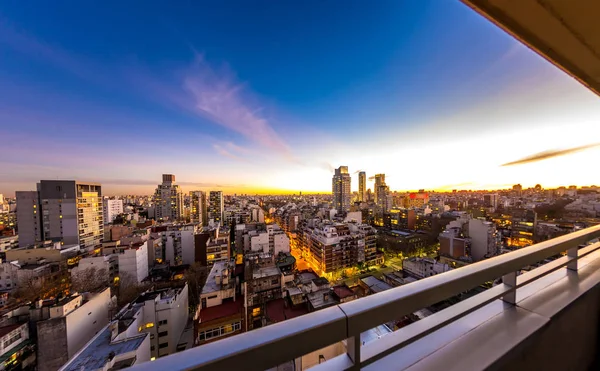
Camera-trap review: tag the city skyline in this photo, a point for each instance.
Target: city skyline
(225, 103)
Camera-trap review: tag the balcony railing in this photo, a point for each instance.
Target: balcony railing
(282, 342)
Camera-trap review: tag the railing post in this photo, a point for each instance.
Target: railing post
(510, 279)
(353, 351)
(573, 253)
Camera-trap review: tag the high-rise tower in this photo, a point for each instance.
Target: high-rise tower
(63, 210)
(379, 181)
(215, 206)
(341, 189)
(362, 186)
(168, 199)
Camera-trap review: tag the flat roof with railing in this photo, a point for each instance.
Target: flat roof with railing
(276, 344)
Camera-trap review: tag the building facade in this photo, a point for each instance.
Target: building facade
(168, 199)
(362, 186)
(72, 323)
(111, 208)
(215, 206)
(63, 210)
(198, 208)
(341, 190)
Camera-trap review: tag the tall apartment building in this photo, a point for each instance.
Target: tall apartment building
(379, 181)
(215, 206)
(491, 200)
(198, 209)
(335, 246)
(362, 186)
(382, 199)
(29, 219)
(168, 199)
(341, 189)
(111, 208)
(63, 210)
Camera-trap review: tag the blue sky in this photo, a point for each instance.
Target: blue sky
(263, 96)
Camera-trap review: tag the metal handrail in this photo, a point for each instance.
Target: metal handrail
(294, 338)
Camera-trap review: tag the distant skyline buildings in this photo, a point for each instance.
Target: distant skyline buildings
(301, 124)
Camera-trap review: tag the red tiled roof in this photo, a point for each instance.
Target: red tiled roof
(226, 309)
(277, 311)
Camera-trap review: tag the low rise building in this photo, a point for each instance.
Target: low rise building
(221, 312)
(72, 323)
(423, 267)
(9, 243)
(17, 351)
(132, 260)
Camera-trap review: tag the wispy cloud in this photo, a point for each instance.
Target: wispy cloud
(218, 96)
(224, 152)
(51, 54)
(147, 182)
(550, 154)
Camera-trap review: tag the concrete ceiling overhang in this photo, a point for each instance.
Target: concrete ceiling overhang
(565, 32)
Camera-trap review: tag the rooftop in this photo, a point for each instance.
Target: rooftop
(97, 354)
(376, 285)
(228, 308)
(265, 272)
(278, 310)
(211, 284)
(320, 281)
(343, 291)
(306, 277)
(321, 298)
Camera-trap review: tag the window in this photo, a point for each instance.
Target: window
(163, 345)
(164, 333)
(152, 348)
(274, 282)
(163, 322)
(12, 339)
(219, 331)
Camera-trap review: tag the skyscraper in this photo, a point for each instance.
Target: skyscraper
(215, 206)
(198, 209)
(379, 181)
(341, 189)
(168, 199)
(362, 186)
(63, 210)
(382, 201)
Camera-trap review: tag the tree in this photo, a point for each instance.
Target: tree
(128, 289)
(195, 276)
(90, 279)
